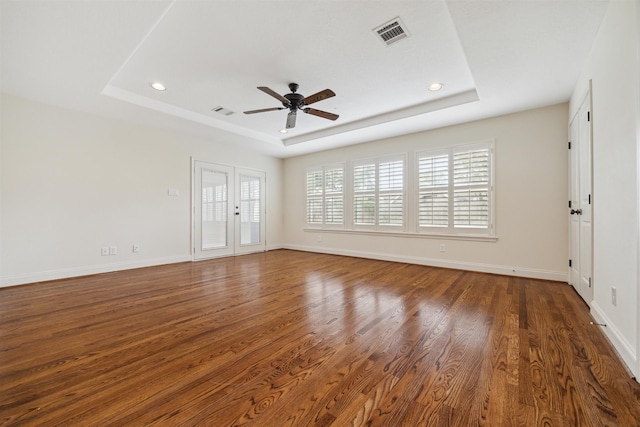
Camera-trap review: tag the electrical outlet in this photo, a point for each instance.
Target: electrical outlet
(135, 249)
(614, 296)
(443, 247)
(113, 250)
(104, 250)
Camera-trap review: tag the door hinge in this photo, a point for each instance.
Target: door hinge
(588, 116)
(569, 145)
(589, 198)
(569, 203)
(589, 282)
(569, 263)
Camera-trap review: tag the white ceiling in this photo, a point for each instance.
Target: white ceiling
(494, 57)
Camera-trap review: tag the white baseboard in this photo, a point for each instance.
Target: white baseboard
(461, 265)
(559, 276)
(42, 276)
(618, 341)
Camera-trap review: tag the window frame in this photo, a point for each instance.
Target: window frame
(376, 192)
(411, 198)
(452, 228)
(324, 195)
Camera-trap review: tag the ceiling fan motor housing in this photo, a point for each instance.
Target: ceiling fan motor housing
(295, 101)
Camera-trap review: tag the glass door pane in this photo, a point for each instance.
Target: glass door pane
(214, 209)
(249, 209)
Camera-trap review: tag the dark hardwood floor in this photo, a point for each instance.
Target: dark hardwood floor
(290, 338)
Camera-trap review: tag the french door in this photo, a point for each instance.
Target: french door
(580, 202)
(228, 210)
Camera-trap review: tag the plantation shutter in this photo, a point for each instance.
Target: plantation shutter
(325, 196)
(334, 196)
(455, 189)
(390, 193)
(433, 191)
(249, 199)
(314, 197)
(364, 187)
(471, 188)
(379, 192)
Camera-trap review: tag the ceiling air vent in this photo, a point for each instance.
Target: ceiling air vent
(392, 31)
(223, 111)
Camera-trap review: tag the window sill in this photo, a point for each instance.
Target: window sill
(468, 237)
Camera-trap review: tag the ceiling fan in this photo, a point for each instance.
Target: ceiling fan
(294, 102)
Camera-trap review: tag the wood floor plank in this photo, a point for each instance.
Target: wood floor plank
(332, 390)
(288, 338)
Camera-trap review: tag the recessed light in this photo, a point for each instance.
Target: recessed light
(435, 86)
(283, 131)
(158, 86)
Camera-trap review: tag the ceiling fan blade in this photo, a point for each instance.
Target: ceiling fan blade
(274, 94)
(264, 110)
(323, 94)
(320, 113)
(291, 120)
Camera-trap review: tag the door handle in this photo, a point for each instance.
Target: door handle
(576, 211)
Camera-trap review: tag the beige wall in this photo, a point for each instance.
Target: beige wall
(73, 182)
(531, 198)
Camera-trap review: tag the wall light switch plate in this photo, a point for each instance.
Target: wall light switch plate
(113, 250)
(104, 250)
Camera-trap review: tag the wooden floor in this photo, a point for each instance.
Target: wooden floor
(291, 338)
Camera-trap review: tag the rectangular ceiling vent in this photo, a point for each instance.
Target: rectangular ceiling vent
(223, 111)
(392, 31)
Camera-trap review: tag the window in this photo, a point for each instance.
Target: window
(433, 193)
(325, 196)
(443, 191)
(379, 192)
(364, 189)
(455, 190)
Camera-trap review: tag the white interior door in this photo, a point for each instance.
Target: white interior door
(228, 211)
(581, 202)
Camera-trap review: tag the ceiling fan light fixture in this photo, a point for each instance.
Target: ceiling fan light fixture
(434, 87)
(158, 86)
(291, 119)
